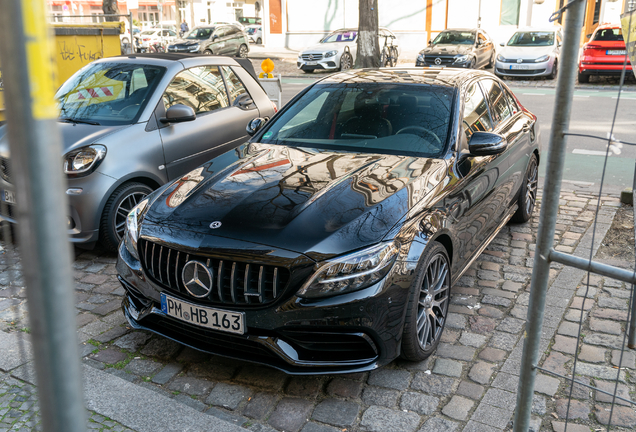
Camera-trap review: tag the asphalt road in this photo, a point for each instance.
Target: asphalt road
(592, 114)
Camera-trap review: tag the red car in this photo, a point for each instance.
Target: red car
(604, 54)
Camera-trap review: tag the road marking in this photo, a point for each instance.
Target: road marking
(578, 95)
(534, 94)
(590, 152)
(582, 183)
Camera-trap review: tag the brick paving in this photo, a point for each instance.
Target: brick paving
(469, 384)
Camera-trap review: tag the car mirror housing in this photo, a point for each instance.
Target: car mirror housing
(487, 143)
(502, 44)
(255, 125)
(178, 113)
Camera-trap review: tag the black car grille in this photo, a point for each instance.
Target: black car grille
(517, 61)
(313, 57)
(5, 170)
(233, 282)
(180, 48)
(445, 60)
(520, 71)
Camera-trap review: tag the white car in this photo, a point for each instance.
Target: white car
(156, 35)
(255, 33)
(530, 52)
(337, 50)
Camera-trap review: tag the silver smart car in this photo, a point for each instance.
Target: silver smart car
(130, 124)
(530, 52)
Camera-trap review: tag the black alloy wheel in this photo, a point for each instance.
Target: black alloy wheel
(528, 193)
(428, 305)
(346, 61)
(243, 51)
(120, 203)
(555, 70)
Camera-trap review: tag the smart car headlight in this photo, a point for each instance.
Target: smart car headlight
(542, 59)
(462, 59)
(132, 227)
(351, 272)
(330, 53)
(83, 161)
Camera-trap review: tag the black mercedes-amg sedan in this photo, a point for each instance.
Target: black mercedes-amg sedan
(331, 241)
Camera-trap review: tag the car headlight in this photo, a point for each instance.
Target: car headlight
(330, 53)
(542, 59)
(83, 161)
(462, 59)
(351, 272)
(194, 47)
(501, 58)
(132, 227)
(420, 57)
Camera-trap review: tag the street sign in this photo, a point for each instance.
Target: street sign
(628, 22)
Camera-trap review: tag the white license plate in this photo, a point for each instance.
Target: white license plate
(216, 319)
(615, 52)
(311, 63)
(520, 66)
(8, 197)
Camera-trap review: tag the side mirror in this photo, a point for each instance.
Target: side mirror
(255, 125)
(243, 101)
(486, 143)
(430, 41)
(502, 44)
(178, 113)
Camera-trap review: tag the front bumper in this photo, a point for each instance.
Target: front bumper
(352, 332)
(529, 69)
(464, 65)
(329, 63)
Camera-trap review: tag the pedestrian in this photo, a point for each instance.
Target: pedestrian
(184, 28)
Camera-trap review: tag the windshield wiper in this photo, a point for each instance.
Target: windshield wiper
(73, 120)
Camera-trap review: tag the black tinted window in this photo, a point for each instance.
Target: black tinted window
(476, 116)
(499, 108)
(200, 88)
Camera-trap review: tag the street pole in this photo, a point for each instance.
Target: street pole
(478, 18)
(549, 212)
(27, 52)
(130, 27)
(529, 13)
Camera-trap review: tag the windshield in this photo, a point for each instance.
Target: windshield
(455, 38)
(345, 36)
(532, 39)
(108, 93)
(614, 35)
(398, 119)
(148, 32)
(200, 33)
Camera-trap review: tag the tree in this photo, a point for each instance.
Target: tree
(368, 45)
(109, 7)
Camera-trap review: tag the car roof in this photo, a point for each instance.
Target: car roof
(462, 30)
(608, 25)
(447, 77)
(539, 29)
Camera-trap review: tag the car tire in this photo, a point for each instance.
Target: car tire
(473, 63)
(426, 312)
(243, 50)
(346, 61)
(259, 41)
(528, 192)
(583, 78)
(492, 59)
(208, 52)
(555, 70)
(116, 210)
(124, 40)
(308, 70)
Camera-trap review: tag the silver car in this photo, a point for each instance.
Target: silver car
(532, 52)
(131, 124)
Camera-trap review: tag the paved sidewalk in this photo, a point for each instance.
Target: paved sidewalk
(468, 385)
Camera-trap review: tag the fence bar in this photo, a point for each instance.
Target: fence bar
(631, 335)
(35, 144)
(549, 211)
(628, 276)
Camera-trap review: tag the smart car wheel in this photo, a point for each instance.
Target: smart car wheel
(346, 61)
(120, 203)
(528, 192)
(243, 51)
(428, 305)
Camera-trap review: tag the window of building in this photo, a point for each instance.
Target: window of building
(510, 12)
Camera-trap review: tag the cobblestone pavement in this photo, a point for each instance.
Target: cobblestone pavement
(468, 385)
(19, 409)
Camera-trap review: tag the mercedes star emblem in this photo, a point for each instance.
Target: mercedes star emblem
(311, 56)
(197, 278)
(438, 61)
(215, 225)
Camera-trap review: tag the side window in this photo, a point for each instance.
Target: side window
(514, 108)
(220, 32)
(558, 38)
(481, 38)
(200, 88)
(171, 33)
(476, 116)
(499, 108)
(234, 85)
(231, 31)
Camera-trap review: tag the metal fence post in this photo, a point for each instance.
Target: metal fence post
(549, 211)
(27, 52)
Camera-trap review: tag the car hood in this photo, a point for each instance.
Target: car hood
(446, 49)
(73, 136)
(324, 47)
(187, 42)
(529, 53)
(316, 202)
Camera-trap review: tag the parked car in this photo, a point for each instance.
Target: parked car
(531, 52)
(247, 21)
(255, 33)
(332, 240)
(152, 36)
(131, 124)
(167, 25)
(463, 48)
(604, 54)
(337, 50)
(234, 23)
(125, 37)
(217, 40)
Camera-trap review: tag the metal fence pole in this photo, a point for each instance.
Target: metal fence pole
(27, 52)
(549, 211)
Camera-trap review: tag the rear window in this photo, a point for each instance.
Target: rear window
(609, 35)
(374, 118)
